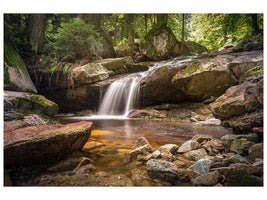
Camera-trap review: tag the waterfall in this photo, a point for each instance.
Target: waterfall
(122, 95)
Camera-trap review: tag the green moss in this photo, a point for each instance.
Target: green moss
(252, 72)
(192, 68)
(12, 58)
(6, 75)
(41, 100)
(219, 101)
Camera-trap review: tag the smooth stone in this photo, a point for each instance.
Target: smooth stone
(188, 146)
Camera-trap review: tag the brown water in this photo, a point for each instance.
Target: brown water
(118, 137)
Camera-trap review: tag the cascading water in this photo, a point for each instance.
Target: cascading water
(123, 95)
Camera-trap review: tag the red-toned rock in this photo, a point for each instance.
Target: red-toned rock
(41, 144)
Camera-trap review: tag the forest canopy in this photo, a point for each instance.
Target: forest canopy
(74, 36)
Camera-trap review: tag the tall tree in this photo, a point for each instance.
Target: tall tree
(182, 48)
(255, 26)
(162, 20)
(37, 31)
(130, 29)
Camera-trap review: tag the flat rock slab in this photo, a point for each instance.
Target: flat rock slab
(41, 144)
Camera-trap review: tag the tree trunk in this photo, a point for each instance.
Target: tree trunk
(255, 27)
(182, 47)
(106, 36)
(116, 30)
(224, 29)
(162, 20)
(130, 30)
(37, 31)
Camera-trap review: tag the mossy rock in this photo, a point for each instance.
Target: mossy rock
(29, 102)
(240, 177)
(16, 76)
(252, 72)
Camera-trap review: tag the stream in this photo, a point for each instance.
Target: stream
(118, 136)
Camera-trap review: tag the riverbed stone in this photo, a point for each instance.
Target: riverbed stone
(238, 177)
(39, 144)
(202, 166)
(186, 175)
(208, 179)
(141, 142)
(256, 151)
(196, 154)
(200, 138)
(162, 170)
(188, 146)
(156, 154)
(236, 159)
(214, 146)
(168, 148)
(144, 150)
(241, 146)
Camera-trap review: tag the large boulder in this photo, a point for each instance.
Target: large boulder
(238, 99)
(16, 76)
(194, 47)
(160, 41)
(29, 102)
(43, 144)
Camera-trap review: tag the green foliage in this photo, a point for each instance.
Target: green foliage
(65, 69)
(192, 68)
(217, 30)
(75, 39)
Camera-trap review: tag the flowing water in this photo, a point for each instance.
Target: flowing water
(122, 96)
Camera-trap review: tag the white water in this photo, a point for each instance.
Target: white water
(122, 96)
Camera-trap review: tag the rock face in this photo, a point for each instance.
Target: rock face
(29, 102)
(42, 144)
(196, 154)
(208, 179)
(169, 148)
(16, 76)
(162, 170)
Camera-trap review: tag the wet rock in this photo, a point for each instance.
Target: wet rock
(229, 138)
(239, 177)
(162, 170)
(141, 157)
(143, 150)
(192, 119)
(186, 175)
(168, 148)
(40, 144)
(168, 157)
(29, 102)
(182, 162)
(188, 146)
(69, 164)
(86, 180)
(214, 146)
(196, 154)
(209, 179)
(156, 154)
(85, 169)
(148, 114)
(200, 138)
(140, 177)
(35, 120)
(254, 170)
(7, 180)
(202, 166)
(236, 159)
(210, 122)
(209, 100)
(84, 113)
(241, 146)
(141, 142)
(256, 151)
(92, 145)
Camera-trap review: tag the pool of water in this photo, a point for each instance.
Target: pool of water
(118, 137)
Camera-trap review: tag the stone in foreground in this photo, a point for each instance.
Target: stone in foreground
(41, 144)
(162, 170)
(202, 166)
